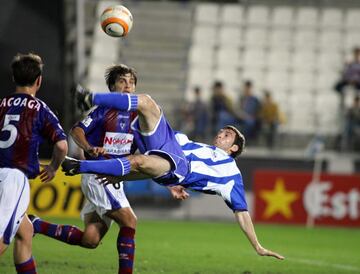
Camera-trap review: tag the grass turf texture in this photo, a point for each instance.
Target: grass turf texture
(203, 247)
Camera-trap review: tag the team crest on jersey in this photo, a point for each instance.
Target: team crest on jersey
(87, 121)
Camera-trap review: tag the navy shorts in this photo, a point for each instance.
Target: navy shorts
(162, 142)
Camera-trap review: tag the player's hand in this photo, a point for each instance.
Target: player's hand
(107, 179)
(96, 151)
(265, 252)
(47, 173)
(178, 192)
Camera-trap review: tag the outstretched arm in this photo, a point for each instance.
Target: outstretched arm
(245, 222)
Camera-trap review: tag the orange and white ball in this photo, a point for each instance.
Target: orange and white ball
(116, 21)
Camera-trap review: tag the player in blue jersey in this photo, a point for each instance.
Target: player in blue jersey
(25, 121)
(104, 134)
(174, 160)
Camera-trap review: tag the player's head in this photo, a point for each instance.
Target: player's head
(121, 78)
(230, 140)
(27, 70)
(218, 87)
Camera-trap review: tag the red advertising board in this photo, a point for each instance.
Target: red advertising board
(293, 198)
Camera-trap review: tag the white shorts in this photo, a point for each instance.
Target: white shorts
(14, 201)
(101, 198)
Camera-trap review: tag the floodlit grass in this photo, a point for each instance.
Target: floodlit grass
(203, 248)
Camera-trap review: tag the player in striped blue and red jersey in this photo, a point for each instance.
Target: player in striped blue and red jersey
(173, 160)
(25, 122)
(104, 134)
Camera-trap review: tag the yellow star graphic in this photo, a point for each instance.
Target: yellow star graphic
(278, 200)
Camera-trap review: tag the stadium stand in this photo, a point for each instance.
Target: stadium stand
(292, 50)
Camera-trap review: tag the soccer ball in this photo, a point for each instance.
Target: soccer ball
(116, 21)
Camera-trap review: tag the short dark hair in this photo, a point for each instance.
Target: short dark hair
(218, 84)
(113, 73)
(239, 141)
(248, 83)
(26, 68)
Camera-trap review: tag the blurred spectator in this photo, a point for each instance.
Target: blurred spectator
(351, 74)
(250, 110)
(221, 107)
(198, 112)
(352, 129)
(270, 119)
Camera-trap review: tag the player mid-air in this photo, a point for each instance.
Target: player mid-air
(172, 159)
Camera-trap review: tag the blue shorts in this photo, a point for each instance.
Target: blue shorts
(162, 142)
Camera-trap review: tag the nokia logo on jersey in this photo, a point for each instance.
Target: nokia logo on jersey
(21, 102)
(116, 141)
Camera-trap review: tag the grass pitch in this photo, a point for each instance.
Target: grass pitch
(203, 248)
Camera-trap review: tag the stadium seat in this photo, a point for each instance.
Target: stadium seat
(280, 38)
(207, 13)
(232, 14)
(300, 80)
(258, 15)
(254, 58)
(230, 36)
(255, 37)
(352, 39)
(307, 17)
(278, 59)
(201, 56)
(202, 77)
(282, 16)
(204, 35)
(330, 61)
(277, 80)
(328, 121)
(331, 39)
(303, 60)
(352, 18)
(228, 57)
(331, 18)
(306, 39)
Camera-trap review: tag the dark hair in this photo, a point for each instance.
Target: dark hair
(239, 141)
(218, 84)
(248, 83)
(26, 68)
(113, 73)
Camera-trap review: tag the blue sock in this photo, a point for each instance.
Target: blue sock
(126, 102)
(115, 167)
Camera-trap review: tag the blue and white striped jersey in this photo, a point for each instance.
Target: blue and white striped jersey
(213, 171)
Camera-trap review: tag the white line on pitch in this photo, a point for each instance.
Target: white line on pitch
(319, 263)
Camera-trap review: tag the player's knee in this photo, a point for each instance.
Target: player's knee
(145, 102)
(91, 243)
(139, 162)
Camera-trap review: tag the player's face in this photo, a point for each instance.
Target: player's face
(225, 139)
(125, 83)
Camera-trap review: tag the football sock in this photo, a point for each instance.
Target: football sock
(115, 167)
(126, 102)
(126, 249)
(64, 233)
(27, 267)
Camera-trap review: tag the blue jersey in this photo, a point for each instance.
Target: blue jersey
(213, 171)
(109, 128)
(25, 121)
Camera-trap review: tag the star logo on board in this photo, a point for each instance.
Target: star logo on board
(279, 200)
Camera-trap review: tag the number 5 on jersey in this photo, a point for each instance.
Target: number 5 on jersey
(11, 128)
